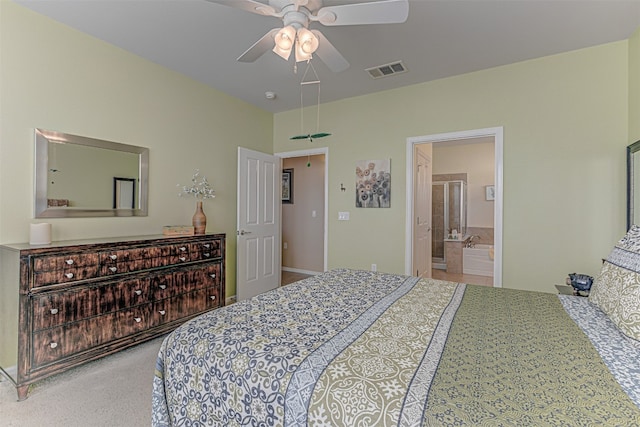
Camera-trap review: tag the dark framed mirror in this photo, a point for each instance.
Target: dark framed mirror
(633, 184)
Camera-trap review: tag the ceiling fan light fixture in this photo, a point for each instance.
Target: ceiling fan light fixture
(306, 45)
(284, 54)
(302, 55)
(307, 40)
(284, 41)
(300, 13)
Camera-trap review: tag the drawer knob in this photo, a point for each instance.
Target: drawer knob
(69, 262)
(213, 276)
(54, 311)
(137, 319)
(138, 292)
(53, 345)
(213, 297)
(69, 275)
(162, 312)
(163, 286)
(113, 269)
(183, 249)
(113, 257)
(182, 259)
(207, 254)
(206, 245)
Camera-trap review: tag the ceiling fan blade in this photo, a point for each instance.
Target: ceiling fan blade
(329, 54)
(249, 5)
(379, 12)
(260, 47)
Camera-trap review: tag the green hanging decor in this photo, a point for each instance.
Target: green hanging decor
(318, 134)
(311, 136)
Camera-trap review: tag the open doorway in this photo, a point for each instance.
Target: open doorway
(466, 224)
(304, 213)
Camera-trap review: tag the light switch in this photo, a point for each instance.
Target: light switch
(343, 216)
(313, 214)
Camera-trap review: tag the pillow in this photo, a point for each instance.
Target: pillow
(616, 291)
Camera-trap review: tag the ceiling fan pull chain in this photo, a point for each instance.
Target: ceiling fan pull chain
(301, 113)
(318, 112)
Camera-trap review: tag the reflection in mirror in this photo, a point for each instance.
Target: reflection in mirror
(633, 184)
(124, 193)
(83, 177)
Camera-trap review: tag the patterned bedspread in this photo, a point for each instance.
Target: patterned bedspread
(357, 348)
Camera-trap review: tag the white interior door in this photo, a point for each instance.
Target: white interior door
(258, 234)
(422, 211)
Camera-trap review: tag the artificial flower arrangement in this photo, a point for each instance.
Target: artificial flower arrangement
(199, 188)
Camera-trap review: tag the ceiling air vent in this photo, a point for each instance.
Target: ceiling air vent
(387, 70)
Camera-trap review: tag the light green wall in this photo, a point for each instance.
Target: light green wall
(56, 78)
(634, 87)
(565, 120)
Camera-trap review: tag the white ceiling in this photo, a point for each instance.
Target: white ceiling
(441, 38)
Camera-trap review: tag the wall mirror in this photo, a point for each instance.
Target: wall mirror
(76, 176)
(633, 184)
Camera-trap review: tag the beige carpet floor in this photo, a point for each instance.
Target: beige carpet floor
(114, 391)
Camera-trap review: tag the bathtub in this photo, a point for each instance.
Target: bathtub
(478, 260)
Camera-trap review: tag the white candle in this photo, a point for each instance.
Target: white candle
(40, 234)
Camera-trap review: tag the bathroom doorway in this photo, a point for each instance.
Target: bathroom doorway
(483, 217)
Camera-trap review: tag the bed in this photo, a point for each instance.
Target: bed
(358, 348)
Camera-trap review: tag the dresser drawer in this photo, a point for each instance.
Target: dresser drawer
(61, 262)
(66, 275)
(56, 308)
(55, 269)
(51, 345)
(187, 280)
(137, 259)
(189, 304)
(128, 260)
(210, 249)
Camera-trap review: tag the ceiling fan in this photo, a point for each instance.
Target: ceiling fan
(298, 14)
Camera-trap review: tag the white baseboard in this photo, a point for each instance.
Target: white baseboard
(298, 270)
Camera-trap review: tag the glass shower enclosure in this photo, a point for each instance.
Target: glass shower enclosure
(449, 212)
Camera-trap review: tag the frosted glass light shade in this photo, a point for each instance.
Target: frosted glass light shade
(284, 40)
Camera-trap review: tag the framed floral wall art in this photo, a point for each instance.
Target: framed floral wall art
(373, 183)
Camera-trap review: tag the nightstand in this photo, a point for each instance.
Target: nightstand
(569, 290)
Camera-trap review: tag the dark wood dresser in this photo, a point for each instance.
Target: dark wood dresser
(67, 303)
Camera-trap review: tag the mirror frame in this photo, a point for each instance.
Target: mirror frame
(42, 210)
(631, 150)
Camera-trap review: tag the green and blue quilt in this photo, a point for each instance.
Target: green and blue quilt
(358, 348)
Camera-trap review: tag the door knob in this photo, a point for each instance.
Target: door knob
(243, 232)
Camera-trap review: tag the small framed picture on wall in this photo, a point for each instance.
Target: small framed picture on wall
(287, 185)
(489, 192)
